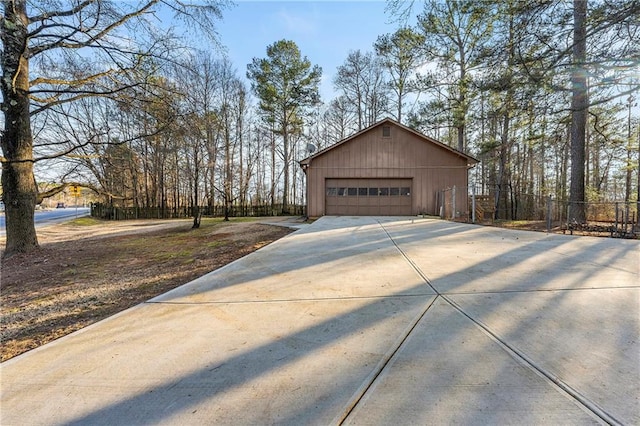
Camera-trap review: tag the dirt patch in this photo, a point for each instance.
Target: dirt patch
(85, 273)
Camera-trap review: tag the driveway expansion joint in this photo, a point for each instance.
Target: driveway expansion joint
(586, 404)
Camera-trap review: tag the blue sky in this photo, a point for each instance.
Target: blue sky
(325, 31)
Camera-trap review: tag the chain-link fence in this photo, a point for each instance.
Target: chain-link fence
(539, 212)
(616, 218)
(453, 204)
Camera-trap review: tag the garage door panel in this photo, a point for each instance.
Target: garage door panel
(368, 197)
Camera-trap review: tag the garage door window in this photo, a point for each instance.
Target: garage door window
(370, 192)
(368, 196)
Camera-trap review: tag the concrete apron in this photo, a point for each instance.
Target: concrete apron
(362, 321)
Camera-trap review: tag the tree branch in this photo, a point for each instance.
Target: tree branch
(61, 13)
(35, 50)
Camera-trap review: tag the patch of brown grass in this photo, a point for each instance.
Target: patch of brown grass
(79, 277)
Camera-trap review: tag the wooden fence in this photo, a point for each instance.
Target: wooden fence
(110, 212)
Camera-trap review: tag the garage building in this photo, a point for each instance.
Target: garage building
(384, 170)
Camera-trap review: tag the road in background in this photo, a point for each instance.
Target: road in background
(51, 217)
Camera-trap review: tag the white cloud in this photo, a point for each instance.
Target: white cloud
(295, 24)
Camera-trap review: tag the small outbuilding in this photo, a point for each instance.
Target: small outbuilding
(386, 169)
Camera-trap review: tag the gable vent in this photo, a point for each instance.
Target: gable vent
(386, 131)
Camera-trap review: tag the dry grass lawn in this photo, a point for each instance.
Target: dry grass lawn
(87, 270)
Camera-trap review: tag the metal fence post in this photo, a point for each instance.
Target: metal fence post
(548, 213)
(626, 216)
(453, 202)
(473, 204)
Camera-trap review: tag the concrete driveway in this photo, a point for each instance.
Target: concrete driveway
(362, 321)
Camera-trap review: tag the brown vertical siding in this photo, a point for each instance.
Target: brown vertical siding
(405, 155)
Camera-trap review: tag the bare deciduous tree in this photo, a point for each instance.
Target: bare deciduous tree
(44, 33)
(361, 81)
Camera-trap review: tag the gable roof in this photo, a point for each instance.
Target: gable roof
(470, 160)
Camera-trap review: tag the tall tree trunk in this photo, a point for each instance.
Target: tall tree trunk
(272, 193)
(543, 154)
(399, 115)
(18, 182)
(501, 190)
(241, 178)
(503, 172)
(579, 107)
(629, 165)
(227, 170)
(285, 146)
(638, 186)
(196, 177)
(360, 109)
(565, 165)
(461, 118)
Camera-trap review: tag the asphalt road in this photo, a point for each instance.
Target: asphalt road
(51, 217)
